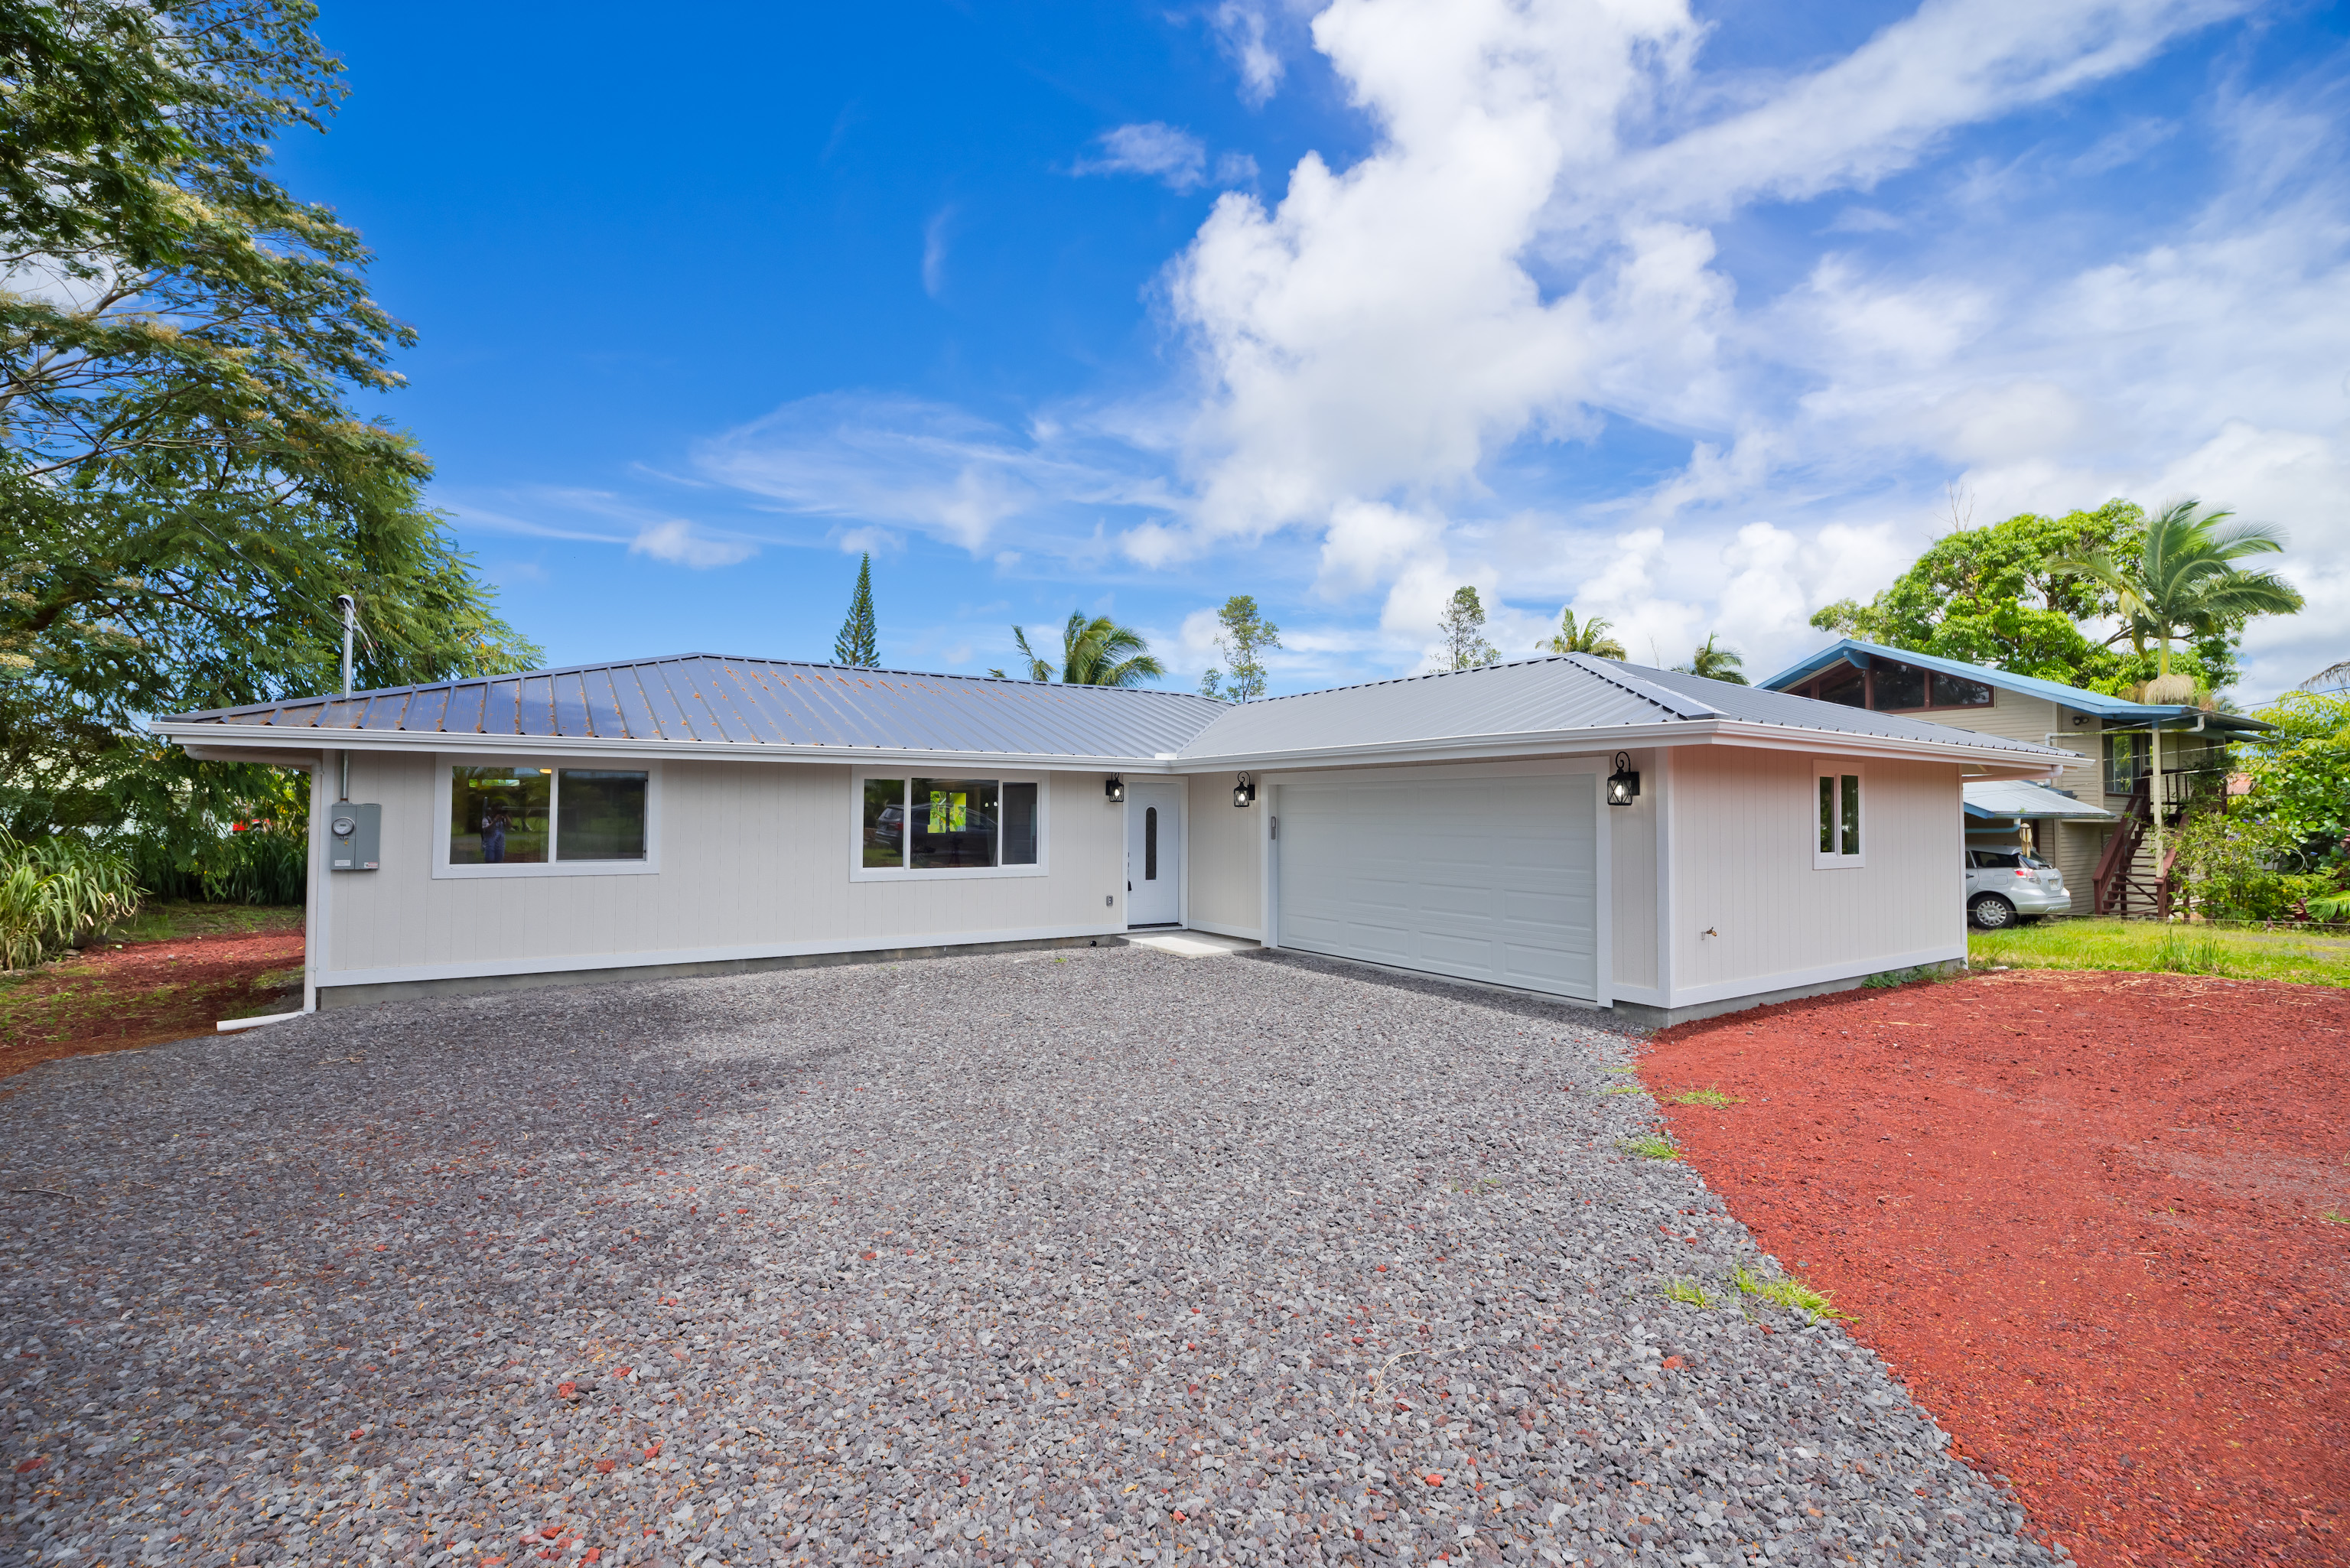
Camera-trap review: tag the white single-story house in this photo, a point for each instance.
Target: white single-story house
(1668, 845)
(2088, 822)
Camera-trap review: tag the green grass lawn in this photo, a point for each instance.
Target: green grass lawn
(2312, 958)
(161, 919)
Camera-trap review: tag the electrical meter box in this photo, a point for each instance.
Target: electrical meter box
(354, 837)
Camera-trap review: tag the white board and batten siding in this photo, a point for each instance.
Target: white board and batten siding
(1750, 911)
(1225, 846)
(1492, 873)
(754, 863)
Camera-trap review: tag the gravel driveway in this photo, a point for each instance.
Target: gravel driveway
(1104, 1255)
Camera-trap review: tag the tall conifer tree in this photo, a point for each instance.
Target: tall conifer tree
(858, 643)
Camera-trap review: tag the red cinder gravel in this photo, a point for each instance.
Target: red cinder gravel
(2084, 1216)
(120, 998)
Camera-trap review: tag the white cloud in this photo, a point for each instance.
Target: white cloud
(1413, 363)
(1153, 149)
(678, 543)
(905, 462)
(1241, 29)
(935, 234)
(1167, 153)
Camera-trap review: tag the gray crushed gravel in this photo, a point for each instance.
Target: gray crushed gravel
(1084, 1257)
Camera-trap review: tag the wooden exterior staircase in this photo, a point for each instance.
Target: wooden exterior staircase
(2119, 880)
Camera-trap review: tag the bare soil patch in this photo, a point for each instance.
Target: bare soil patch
(141, 993)
(2086, 1217)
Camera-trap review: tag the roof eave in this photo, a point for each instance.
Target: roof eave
(243, 740)
(2011, 760)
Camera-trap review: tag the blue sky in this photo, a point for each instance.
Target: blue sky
(1692, 319)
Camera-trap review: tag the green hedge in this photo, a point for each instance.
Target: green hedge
(263, 865)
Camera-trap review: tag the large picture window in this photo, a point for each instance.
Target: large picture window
(554, 817)
(1837, 839)
(915, 823)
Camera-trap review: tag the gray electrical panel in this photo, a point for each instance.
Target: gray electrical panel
(354, 837)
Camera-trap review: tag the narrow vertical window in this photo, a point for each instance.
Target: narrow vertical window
(1020, 825)
(1839, 843)
(1150, 844)
(885, 822)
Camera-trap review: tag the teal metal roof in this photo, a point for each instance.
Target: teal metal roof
(2022, 798)
(2119, 709)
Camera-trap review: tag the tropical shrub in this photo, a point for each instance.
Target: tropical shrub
(2300, 772)
(54, 889)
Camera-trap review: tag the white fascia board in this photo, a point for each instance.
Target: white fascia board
(223, 742)
(2016, 759)
(1997, 761)
(275, 759)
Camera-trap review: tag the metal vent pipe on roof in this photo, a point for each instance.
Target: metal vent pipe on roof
(350, 608)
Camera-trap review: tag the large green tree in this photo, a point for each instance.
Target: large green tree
(859, 642)
(1245, 635)
(1462, 626)
(1992, 596)
(184, 484)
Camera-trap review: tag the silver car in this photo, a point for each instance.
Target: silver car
(2008, 886)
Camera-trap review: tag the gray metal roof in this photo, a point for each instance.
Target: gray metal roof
(1535, 697)
(708, 700)
(704, 697)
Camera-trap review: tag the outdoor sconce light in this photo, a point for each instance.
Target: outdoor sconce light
(1243, 793)
(1623, 784)
(1114, 789)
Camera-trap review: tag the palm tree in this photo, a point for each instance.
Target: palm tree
(1590, 637)
(1096, 652)
(1715, 663)
(2183, 582)
(2332, 675)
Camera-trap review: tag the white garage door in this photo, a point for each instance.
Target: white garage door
(1494, 879)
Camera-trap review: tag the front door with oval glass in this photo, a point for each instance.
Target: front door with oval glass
(1154, 855)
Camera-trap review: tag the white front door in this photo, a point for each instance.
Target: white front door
(1154, 855)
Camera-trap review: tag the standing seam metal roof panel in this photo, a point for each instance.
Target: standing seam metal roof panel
(764, 702)
(1527, 697)
(1531, 697)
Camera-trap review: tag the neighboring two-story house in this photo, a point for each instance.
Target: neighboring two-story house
(2072, 820)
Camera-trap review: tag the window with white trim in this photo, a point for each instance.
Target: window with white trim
(528, 818)
(1836, 837)
(919, 825)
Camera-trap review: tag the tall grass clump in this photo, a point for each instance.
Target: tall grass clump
(55, 888)
(2182, 954)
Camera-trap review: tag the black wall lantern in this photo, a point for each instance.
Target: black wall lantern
(1114, 789)
(1623, 784)
(1243, 793)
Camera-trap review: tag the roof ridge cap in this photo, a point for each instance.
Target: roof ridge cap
(1671, 702)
